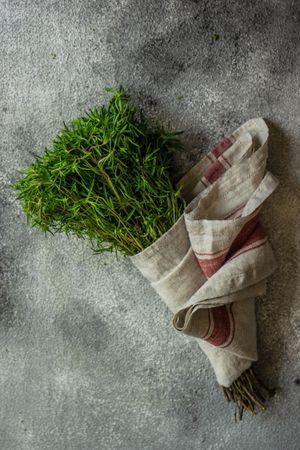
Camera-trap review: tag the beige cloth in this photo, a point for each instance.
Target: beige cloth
(214, 261)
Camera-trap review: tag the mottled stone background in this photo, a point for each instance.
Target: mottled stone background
(88, 356)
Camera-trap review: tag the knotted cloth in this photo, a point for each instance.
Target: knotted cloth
(215, 260)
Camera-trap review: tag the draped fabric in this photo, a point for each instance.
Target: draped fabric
(209, 267)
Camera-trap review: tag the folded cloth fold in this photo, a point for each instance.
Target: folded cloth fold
(214, 261)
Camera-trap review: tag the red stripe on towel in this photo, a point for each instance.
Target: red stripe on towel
(215, 171)
(223, 330)
(222, 146)
(211, 266)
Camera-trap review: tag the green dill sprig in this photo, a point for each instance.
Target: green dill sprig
(107, 178)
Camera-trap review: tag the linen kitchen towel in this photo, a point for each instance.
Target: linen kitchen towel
(209, 267)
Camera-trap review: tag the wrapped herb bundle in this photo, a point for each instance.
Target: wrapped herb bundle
(108, 178)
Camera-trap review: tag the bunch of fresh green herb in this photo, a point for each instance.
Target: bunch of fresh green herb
(107, 178)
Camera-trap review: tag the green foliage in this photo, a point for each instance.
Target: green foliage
(107, 178)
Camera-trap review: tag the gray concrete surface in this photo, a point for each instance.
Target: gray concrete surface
(69, 379)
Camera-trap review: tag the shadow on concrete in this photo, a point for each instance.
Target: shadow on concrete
(274, 316)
